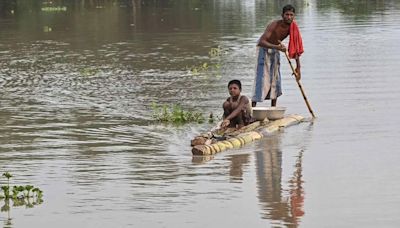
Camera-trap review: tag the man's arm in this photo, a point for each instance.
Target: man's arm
(266, 36)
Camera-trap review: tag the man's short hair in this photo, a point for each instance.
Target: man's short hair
(288, 8)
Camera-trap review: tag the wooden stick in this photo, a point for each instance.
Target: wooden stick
(300, 86)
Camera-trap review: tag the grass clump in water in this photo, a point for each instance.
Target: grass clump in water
(175, 114)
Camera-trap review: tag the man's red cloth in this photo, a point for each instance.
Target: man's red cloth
(295, 41)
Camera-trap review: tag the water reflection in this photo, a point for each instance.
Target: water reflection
(357, 9)
(201, 159)
(19, 202)
(236, 167)
(296, 189)
(6, 208)
(278, 207)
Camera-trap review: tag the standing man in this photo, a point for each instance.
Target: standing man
(267, 83)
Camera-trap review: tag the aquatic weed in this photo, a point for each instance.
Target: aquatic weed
(175, 114)
(27, 195)
(88, 71)
(54, 9)
(214, 56)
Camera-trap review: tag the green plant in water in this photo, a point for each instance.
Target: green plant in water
(214, 53)
(88, 71)
(6, 191)
(27, 195)
(15, 192)
(211, 118)
(175, 114)
(54, 9)
(8, 176)
(39, 193)
(28, 189)
(21, 189)
(200, 68)
(47, 29)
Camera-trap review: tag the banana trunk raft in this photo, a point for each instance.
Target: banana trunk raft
(207, 144)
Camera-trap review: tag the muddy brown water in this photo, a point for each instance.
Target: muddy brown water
(76, 120)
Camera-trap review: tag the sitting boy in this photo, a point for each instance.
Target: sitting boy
(237, 108)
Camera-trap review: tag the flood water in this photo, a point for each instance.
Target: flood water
(76, 89)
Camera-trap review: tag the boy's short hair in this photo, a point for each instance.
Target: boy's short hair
(237, 82)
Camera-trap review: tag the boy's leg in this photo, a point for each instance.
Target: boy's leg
(227, 108)
(237, 121)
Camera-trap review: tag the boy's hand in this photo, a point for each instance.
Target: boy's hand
(225, 123)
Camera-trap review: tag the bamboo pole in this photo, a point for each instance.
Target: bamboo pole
(300, 86)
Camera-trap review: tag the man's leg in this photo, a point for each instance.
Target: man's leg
(273, 102)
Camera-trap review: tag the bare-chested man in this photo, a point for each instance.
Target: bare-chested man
(267, 83)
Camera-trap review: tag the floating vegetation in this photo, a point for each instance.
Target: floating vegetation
(199, 68)
(175, 114)
(21, 195)
(214, 53)
(88, 71)
(47, 29)
(211, 118)
(54, 9)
